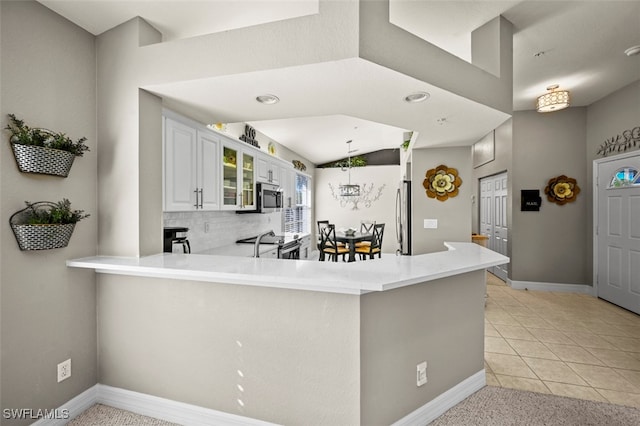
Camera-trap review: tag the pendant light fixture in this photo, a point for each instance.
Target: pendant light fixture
(349, 190)
(554, 100)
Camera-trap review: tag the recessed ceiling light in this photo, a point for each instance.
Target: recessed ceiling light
(416, 97)
(268, 99)
(633, 50)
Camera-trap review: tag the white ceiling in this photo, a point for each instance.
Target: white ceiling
(322, 103)
(576, 44)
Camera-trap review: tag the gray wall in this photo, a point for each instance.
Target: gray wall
(549, 246)
(305, 357)
(404, 327)
(48, 313)
(298, 351)
(566, 142)
(454, 214)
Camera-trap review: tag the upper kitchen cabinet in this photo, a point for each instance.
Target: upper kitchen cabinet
(191, 176)
(288, 185)
(238, 177)
(268, 170)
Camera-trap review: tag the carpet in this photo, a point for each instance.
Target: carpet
(494, 406)
(104, 415)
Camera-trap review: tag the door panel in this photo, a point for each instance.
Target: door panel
(618, 232)
(208, 172)
(493, 217)
(180, 166)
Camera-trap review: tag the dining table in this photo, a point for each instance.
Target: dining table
(351, 239)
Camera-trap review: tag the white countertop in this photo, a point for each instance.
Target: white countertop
(359, 277)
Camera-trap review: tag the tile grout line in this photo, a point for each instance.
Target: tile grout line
(506, 306)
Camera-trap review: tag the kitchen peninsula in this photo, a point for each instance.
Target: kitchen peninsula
(294, 341)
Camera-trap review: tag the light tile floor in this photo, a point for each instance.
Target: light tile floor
(561, 343)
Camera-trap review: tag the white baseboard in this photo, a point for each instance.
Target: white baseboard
(148, 405)
(71, 409)
(193, 415)
(438, 406)
(558, 287)
(169, 410)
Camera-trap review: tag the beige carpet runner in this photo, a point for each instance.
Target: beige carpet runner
(493, 406)
(490, 406)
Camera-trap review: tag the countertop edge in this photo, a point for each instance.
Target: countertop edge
(357, 278)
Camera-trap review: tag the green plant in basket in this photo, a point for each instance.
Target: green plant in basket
(25, 135)
(53, 213)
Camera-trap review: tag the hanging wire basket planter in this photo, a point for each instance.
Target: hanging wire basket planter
(43, 151)
(39, 236)
(43, 160)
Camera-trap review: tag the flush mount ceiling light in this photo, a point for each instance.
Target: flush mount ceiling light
(555, 100)
(268, 99)
(633, 50)
(416, 97)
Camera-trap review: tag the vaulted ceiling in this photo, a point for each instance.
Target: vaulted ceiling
(576, 44)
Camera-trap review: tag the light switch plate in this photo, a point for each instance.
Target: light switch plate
(430, 223)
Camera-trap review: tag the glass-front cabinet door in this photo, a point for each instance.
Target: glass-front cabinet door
(238, 179)
(230, 197)
(248, 182)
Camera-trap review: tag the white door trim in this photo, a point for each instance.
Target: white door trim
(596, 164)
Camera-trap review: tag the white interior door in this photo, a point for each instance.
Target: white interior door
(618, 231)
(493, 217)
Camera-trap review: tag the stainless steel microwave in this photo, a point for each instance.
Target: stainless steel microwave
(268, 199)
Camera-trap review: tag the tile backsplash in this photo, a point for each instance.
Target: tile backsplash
(223, 227)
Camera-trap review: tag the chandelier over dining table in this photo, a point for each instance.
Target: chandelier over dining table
(349, 190)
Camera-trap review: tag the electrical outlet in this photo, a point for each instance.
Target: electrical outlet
(421, 373)
(64, 370)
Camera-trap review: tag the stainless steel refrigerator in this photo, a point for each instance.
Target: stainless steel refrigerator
(403, 218)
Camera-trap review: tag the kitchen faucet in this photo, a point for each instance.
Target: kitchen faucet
(256, 247)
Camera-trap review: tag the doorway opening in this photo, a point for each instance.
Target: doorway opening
(493, 217)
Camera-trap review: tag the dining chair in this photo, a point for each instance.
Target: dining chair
(376, 243)
(321, 224)
(366, 227)
(329, 245)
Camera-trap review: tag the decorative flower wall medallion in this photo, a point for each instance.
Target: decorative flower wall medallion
(442, 182)
(562, 190)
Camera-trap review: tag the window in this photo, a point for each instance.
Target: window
(298, 217)
(625, 176)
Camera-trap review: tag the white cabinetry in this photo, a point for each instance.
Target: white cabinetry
(238, 176)
(289, 187)
(191, 177)
(305, 247)
(268, 170)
